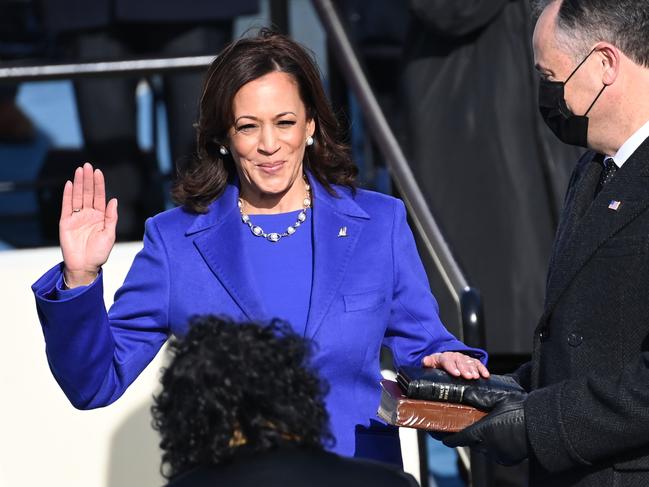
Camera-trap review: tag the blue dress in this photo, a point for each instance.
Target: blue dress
(283, 269)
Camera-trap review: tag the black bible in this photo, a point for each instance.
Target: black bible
(437, 385)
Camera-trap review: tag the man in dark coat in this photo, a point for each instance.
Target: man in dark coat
(585, 420)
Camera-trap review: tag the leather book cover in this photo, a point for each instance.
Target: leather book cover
(398, 410)
(437, 385)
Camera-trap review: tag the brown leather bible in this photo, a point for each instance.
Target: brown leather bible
(398, 410)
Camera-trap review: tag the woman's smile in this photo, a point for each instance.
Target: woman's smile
(270, 168)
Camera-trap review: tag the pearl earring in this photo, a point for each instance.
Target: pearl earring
(309, 140)
(223, 150)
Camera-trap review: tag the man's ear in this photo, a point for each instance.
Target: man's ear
(610, 58)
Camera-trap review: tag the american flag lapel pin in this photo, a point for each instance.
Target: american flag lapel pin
(614, 205)
(342, 232)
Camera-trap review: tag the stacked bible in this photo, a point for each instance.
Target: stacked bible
(432, 400)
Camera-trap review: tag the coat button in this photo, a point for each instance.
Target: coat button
(544, 334)
(575, 339)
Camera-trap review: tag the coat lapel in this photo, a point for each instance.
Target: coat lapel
(584, 235)
(578, 200)
(219, 242)
(332, 216)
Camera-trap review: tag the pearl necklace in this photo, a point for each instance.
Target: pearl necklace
(257, 231)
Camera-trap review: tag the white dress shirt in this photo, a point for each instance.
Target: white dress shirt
(631, 144)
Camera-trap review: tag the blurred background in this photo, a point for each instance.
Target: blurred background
(438, 98)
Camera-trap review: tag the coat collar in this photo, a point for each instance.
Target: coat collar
(221, 207)
(590, 222)
(219, 240)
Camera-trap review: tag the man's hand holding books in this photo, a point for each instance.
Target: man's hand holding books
(501, 434)
(486, 414)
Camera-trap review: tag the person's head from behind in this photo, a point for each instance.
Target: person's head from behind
(265, 117)
(593, 57)
(232, 386)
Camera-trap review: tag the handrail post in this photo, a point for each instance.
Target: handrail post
(472, 315)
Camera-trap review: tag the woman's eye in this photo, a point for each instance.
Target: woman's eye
(286, 123)
(246, 128)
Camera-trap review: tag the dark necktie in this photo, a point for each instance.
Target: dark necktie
(607, 174)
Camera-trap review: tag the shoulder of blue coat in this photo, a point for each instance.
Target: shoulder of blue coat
(375, 204)
(178, 218)
(173, 214)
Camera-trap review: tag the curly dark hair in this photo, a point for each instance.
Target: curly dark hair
(246, 60)
(232, 381)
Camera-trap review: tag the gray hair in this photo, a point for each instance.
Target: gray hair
(583, 23)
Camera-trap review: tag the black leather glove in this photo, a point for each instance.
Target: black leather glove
(501, 434)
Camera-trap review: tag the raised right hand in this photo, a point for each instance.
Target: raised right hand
(86, 227)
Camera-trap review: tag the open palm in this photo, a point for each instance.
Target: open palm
(87, 226)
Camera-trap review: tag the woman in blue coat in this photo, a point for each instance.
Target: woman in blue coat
(270, 225)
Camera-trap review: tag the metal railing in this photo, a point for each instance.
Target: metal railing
(105, 68)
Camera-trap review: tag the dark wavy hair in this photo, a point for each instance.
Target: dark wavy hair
(230, 381)
(246, 60)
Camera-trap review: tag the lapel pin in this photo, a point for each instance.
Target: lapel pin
(342, 232)
(614, 205)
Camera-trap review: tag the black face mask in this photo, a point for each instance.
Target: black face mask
(569, 128)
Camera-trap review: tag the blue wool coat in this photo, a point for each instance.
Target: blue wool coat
(369, 289)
